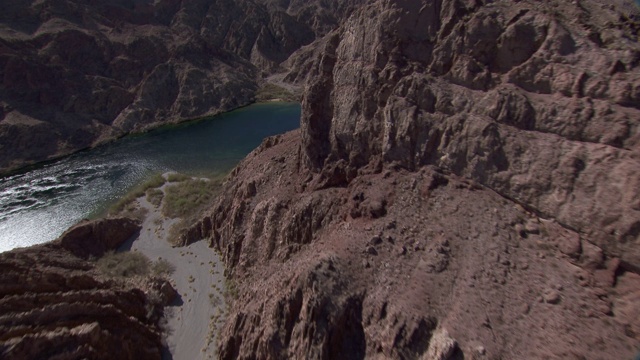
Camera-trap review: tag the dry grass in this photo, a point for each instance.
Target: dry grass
(177, 177)
(162, 268)
(133, 211)
(175, 231)
(187, 197)
(154, 196)
(125, 264)
(132, 263)
(154, 182)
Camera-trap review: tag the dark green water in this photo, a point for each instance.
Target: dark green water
(37, 206)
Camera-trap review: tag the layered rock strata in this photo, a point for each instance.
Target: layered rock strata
(55, 305)
(464, 185)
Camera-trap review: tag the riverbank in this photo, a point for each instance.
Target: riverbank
(26, 166)
(57, 195)
(198, 277)
(273, 90)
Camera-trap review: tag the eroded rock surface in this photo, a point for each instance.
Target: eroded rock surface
(55, 305)
(539, 103)
(464, 185)
(75, 73)
(450, 266)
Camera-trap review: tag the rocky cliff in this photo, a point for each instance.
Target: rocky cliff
(540, 104)
(54, 304)
(77, 73)
(464, 185)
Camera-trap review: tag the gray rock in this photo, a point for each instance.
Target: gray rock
(551, 297)
(441, 346)
(376, 240)
(532, 226)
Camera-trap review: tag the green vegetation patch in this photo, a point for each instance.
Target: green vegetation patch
(177, 177)
(125, 264)
(272, 92)
(154, 182)
(189, 196)
(154, 196)
(162, 268)
(130, 263)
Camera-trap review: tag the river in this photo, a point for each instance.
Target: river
(38, 205)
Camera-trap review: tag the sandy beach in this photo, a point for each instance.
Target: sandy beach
(198, 278)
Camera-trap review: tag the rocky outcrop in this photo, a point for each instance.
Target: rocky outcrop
(55, 305)
(539, 103)
(441, 268)
(74, 73)
(463, 185)
(95, 238)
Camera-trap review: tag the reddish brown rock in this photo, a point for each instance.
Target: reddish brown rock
(464, 131)
(54, 304)
(431, 123)
(75, 74)
(94, 238)
(300, 285)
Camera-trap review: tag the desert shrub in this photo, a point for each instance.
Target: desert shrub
(154, 196)
(124, 264)
(139, 214)
(230, 289)
(175, 231)
(133, 211)
(215, 300)
(185, 198)
(154, 182)
(271, 91)
(162, 267)
(177, 177)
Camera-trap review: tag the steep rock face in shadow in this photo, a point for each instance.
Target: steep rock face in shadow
(54, 304)
(76, 73)
(463, 185)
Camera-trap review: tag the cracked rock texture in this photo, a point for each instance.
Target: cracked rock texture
(55, 305)
(552, 123)
(464, 185)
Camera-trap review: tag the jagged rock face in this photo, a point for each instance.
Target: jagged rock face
(94, 238)
(76, 73)
(406, 265)
(540, 102)
(464, 185)
(54, 305)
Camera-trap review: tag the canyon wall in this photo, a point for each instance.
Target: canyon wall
(464, 185)
(75, 73)
(539, 103)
